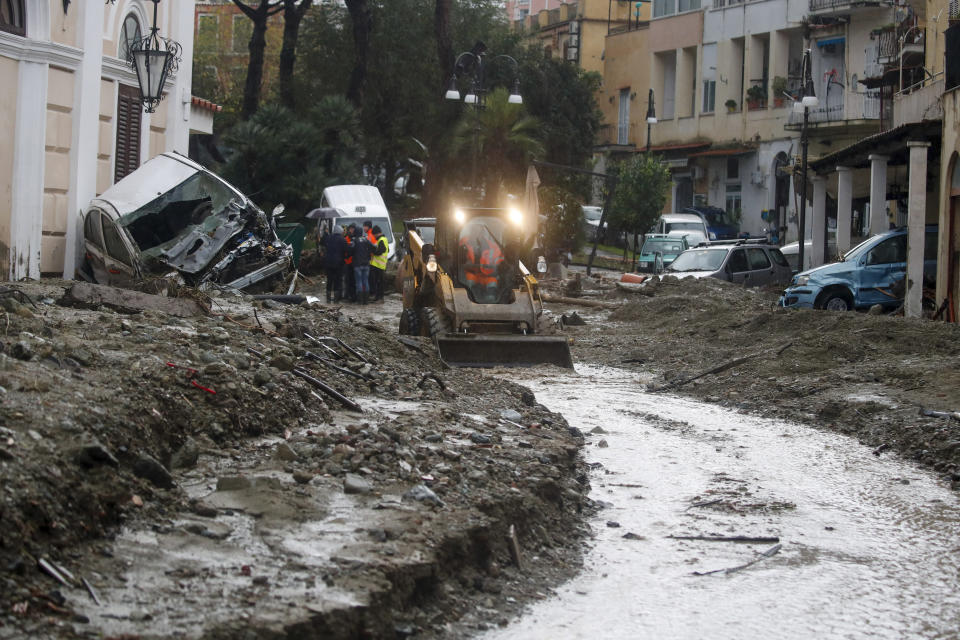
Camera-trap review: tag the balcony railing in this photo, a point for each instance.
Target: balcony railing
(919, 102)
(836, 5)
(855, 106)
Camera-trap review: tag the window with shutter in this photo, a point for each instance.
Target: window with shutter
(12, 17)
(128, 132)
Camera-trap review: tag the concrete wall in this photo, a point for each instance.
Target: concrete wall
(948, 161)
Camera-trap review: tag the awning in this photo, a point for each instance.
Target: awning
(828, 41)
(680, 147)
(891, 143)
(735, 151)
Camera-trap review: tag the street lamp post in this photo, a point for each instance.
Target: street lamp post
(153, 58)
(651, 117)
(472, 64)
(807, 101)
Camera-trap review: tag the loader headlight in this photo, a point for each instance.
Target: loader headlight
(432, 263)
(541, 265)
(516, 217)
(459, 215)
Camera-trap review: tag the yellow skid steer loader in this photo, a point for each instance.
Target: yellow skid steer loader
(470, 291)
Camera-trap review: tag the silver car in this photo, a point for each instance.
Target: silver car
(748, 262)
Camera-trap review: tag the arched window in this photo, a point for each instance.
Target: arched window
(13, 17)
(128, 35)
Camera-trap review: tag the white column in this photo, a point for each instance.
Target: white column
(818, 220)
(844, 207)
(879, 222)
(916, 234)
(26, 215)
(86, 130)
(180, 19)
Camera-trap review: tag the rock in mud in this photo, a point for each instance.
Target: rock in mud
(353, 483)
(150, 469)
(94, 454)
(302, 477)
(421, 493)
(186, 456)
(286, 452)
(603, 444)
(510, 414)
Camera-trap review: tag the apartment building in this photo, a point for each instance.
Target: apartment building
(944, 49)
(575, 31)
(520, 9)
(73, 121)
(724, 78)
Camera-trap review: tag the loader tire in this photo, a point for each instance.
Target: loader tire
(434, 322)
(409, 323)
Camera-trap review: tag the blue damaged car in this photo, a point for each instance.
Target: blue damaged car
(870, 273)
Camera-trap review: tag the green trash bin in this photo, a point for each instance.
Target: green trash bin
(293, 234)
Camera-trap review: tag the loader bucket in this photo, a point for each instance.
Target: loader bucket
(503, 350)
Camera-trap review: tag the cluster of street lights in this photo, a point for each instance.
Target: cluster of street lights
(473, 65)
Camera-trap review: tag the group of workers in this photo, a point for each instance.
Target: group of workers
(355, 260)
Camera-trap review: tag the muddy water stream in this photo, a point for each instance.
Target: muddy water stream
(870, 546)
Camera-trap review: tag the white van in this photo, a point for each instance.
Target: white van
(683, 224)
(360, 202)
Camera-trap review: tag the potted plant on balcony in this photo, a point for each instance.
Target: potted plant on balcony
(731, 105)
(757, 97)
(779, 87)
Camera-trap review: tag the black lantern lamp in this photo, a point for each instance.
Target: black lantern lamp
(153, 57)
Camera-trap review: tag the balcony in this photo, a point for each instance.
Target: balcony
(855, 107)
(838, 7)
(919, 102)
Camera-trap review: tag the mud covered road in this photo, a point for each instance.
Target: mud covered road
(722, 525)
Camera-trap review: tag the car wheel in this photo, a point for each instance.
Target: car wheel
(837, 301)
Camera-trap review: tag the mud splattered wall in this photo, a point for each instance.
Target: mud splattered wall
(59, 138)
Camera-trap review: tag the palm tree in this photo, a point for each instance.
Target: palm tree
(501, 139)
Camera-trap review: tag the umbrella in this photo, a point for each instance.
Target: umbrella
(530, 201)
(325, 213)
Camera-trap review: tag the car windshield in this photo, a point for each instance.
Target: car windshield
(699, 260)
(194, 202)
(663, 245)
(684, 226)
(859, 250)
(383, 223)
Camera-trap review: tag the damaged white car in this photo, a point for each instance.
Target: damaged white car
(172, 216)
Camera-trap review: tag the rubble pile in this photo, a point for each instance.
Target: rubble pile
(116, 423)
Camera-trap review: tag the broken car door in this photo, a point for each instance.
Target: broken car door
(118, 258)
(882, 266)
(93, 247)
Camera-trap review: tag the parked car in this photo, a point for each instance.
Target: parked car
(173, 215)
(591, 223)
(748, 262)
(870, 273)
(791, 251)
(659, 251)
(683, 224)
(719, 224)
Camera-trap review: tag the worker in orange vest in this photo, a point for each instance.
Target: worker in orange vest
(480, 268)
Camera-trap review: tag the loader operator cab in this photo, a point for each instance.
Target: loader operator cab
(487, 259)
